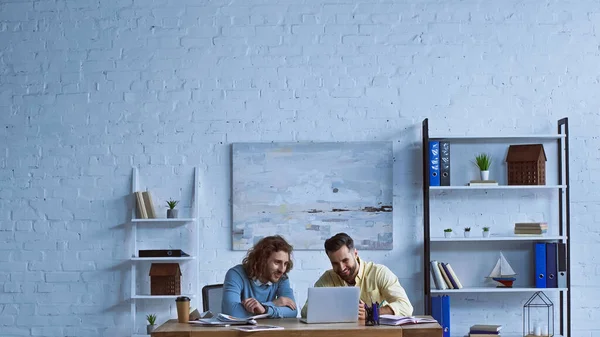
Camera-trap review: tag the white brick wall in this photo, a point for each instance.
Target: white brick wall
(89, 89)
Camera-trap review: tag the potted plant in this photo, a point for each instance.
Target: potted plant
(172, 212)
(467, 232)
(486, 232)
(151, 323)
(483, 162)
(448, 232)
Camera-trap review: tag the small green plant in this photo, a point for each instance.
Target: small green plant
(448, 230)
(486, 229)
(467, 229)
(151, 319)
(483, 161)
(172, 203)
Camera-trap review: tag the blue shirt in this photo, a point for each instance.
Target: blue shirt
(238, 287)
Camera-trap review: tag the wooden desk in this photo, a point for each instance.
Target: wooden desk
(295, 328)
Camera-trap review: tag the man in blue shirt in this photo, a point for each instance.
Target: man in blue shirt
(260, 284)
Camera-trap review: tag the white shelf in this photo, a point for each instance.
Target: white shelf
(497, 137)
(190, 245)
(495, 290)
(160, 297)
(158, 259)
(502, 238)
(499, 187)
(162, 220)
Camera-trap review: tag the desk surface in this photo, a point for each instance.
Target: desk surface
(295, 328)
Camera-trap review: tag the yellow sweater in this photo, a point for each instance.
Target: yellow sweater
(377, 284)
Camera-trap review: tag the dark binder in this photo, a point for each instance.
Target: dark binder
(162, 253)
(440, 311)
(551, 280)
(540, 265)
(434, 163)
(444, 164)
(561, 265)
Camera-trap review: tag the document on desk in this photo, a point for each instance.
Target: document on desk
(259, 328)
(401, 320)
(209, 322)
(226, 320)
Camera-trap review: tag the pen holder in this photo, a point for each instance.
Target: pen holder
(372, 315)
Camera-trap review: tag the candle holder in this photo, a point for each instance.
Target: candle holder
(538, 316)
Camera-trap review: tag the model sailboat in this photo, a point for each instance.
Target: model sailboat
(503, 273)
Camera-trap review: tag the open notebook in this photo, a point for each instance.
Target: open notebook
(401, 320)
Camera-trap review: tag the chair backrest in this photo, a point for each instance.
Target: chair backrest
(212, 296)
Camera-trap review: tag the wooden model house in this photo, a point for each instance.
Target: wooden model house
(165, 279)
(526, 164)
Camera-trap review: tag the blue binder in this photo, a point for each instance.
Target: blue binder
(440, 311)
(434, 163)
(444, 164)
(540, 265)
(551, 268)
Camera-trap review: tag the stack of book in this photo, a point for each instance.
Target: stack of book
(483, 183)
(485, 330)
(443, 276)
(531, 228)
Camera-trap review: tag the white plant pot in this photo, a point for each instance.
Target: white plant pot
(485, 175)
(467, 234)
(486, 234)
(447, 234)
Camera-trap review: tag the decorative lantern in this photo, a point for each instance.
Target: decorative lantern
(538, 316)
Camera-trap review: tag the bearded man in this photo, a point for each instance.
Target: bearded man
(260, 284)
(377, 283)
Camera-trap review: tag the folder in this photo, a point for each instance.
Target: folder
(551, 281)
(540, 265)
(444, 164)
(561, 265)
(434, 163)
(440, 311)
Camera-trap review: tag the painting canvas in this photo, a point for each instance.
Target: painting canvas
(308, 192)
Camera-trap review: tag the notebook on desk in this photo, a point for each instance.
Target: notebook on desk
(332, 305)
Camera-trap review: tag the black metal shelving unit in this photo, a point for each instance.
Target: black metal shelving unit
(564, 221)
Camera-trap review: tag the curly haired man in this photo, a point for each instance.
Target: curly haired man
(260, 284)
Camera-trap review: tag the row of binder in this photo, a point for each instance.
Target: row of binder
(550, 265)
(440, 311)
(439, 163)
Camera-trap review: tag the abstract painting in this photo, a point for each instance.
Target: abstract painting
(307, 192)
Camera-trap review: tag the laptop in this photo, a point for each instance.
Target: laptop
(332, 305)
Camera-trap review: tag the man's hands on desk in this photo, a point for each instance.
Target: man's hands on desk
(362, 314)
(254, 306)
(285, 302)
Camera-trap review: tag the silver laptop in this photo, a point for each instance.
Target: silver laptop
(332, 305)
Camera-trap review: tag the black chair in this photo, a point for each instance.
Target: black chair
(212, 296)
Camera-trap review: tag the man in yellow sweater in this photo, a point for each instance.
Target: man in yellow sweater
(377, 283)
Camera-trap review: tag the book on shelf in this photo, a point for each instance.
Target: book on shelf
(533, 228)
(148, 205)
(401, 320)
(485, 329)
(483, 183)
(444, 276)
(141, 212)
